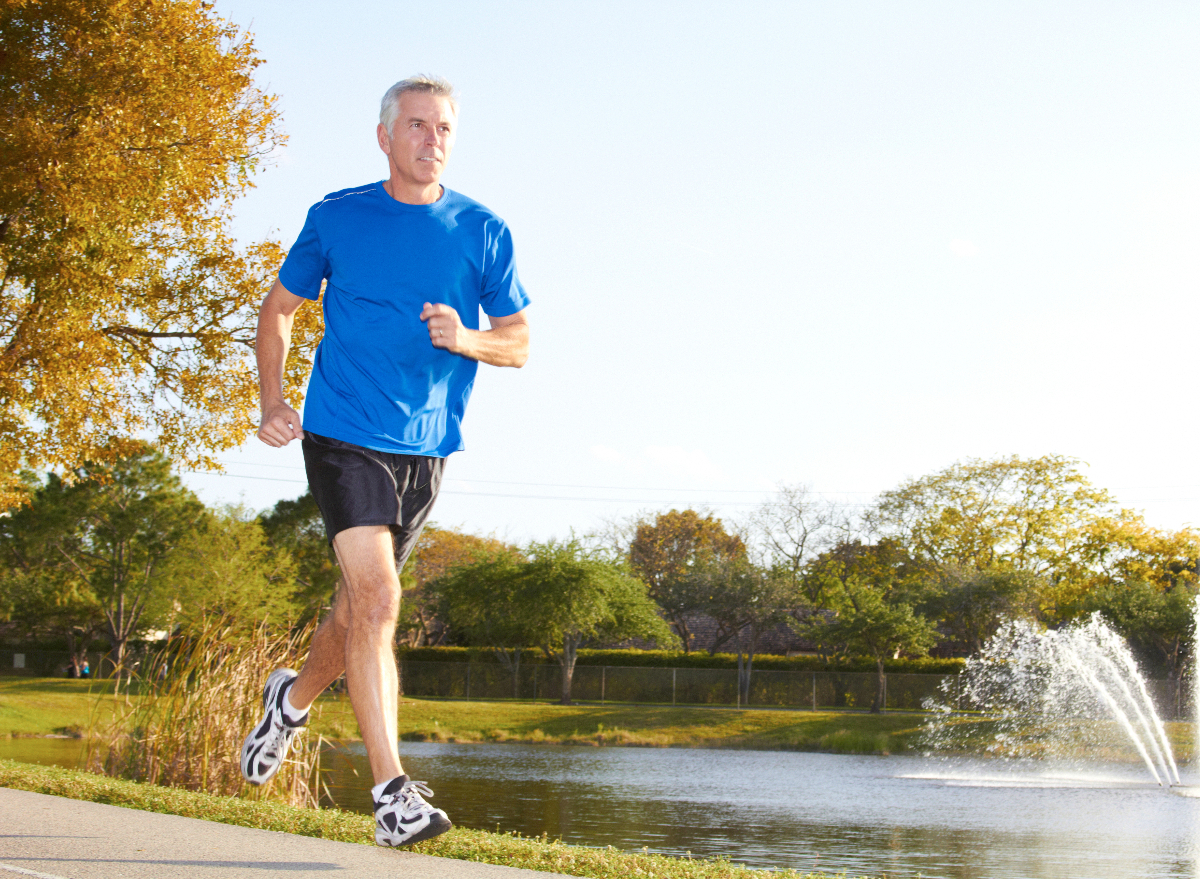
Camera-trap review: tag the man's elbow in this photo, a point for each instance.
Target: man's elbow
(520, 349)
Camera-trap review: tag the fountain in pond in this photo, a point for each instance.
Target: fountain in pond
(1054, 694)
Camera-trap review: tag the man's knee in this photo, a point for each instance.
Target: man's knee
(375, 602)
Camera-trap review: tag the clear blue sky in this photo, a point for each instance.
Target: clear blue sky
(833, 243)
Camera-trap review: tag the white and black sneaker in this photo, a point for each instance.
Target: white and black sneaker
(265, 748)
(402, 816)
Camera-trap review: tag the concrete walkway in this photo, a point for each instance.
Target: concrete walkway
(57, 838)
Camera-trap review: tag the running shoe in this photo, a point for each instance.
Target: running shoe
(265, 748)
(402, 816)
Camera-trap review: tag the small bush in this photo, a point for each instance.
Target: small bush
(203, 695)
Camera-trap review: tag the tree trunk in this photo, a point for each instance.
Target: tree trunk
(880, 689)
(745, 670)
(681, 629)
(511, 660)
(567, 660)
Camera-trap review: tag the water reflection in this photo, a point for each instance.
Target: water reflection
(896, 815)
(902, 816)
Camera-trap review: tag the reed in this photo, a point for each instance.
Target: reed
(196, 699)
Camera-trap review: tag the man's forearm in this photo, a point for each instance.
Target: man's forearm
(499, 346)
(270, 350)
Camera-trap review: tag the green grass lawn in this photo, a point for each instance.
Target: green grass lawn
(644, 725)
(51, 706)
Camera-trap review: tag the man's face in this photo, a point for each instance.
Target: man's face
(421, 139)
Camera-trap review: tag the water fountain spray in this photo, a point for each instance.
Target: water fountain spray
(1045, 693)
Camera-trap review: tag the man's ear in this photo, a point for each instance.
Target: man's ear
(385, 142)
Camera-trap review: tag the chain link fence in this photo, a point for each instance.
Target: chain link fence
(667, 686)
(660, 686)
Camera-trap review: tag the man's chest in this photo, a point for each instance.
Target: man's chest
(390, 259)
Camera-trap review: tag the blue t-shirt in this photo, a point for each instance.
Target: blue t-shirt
(377, 380)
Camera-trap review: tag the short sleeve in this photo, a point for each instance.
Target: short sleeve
(502, 293)
(306, 266)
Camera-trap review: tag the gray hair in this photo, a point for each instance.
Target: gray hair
(389, 107)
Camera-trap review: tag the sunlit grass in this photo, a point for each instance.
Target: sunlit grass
(50, 706)
(639, 725)
(47, 706)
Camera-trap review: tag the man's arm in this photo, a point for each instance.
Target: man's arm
(280, 422)
(505, 344)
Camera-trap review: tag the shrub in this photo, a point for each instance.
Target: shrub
(199, 696)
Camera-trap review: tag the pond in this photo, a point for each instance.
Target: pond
(902, 816)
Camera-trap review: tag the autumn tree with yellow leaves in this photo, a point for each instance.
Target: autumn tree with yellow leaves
(127, 310)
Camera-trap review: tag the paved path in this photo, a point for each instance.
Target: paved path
(57, 838)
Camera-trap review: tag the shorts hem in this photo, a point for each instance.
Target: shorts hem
(391, 523)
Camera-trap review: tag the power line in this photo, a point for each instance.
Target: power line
(538, 497)
(710, 491)
(538, 484)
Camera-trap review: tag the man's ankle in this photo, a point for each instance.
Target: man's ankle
(290, 711)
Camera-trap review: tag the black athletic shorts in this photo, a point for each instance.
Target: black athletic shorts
(357, 486)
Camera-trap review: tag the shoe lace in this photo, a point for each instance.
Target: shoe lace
(411, 797)
(278, 738)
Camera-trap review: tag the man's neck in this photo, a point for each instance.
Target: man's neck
(411, 194)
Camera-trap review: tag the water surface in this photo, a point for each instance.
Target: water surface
(903, 816)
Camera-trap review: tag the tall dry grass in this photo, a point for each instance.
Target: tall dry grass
(187, 710)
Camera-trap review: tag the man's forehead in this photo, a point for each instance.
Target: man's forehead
(415, 105)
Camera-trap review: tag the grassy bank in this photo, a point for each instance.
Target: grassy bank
(638, 725)
(45, 706)
(50, 706)
(467, 845)
(39, 707)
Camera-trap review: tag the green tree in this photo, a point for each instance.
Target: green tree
(126, 308)
(1158, 623)
(480, 601)
(438, 552)
(118, 523)
(1144, 581)
(42, 593)
(869, 593)
(224, 567)
(746, 602)
(971, 603)
(1022, 514)
(559, 599)
(663, 552)
(296, 528)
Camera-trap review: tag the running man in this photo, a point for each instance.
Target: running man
(408, 264)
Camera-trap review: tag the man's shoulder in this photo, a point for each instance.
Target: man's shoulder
(464, 205)
(351, 197)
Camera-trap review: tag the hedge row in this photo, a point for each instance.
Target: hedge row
(697, 659)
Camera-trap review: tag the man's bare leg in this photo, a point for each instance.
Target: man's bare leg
(326, 654)
(357, 637)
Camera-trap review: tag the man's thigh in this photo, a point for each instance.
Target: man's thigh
(366, 556)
